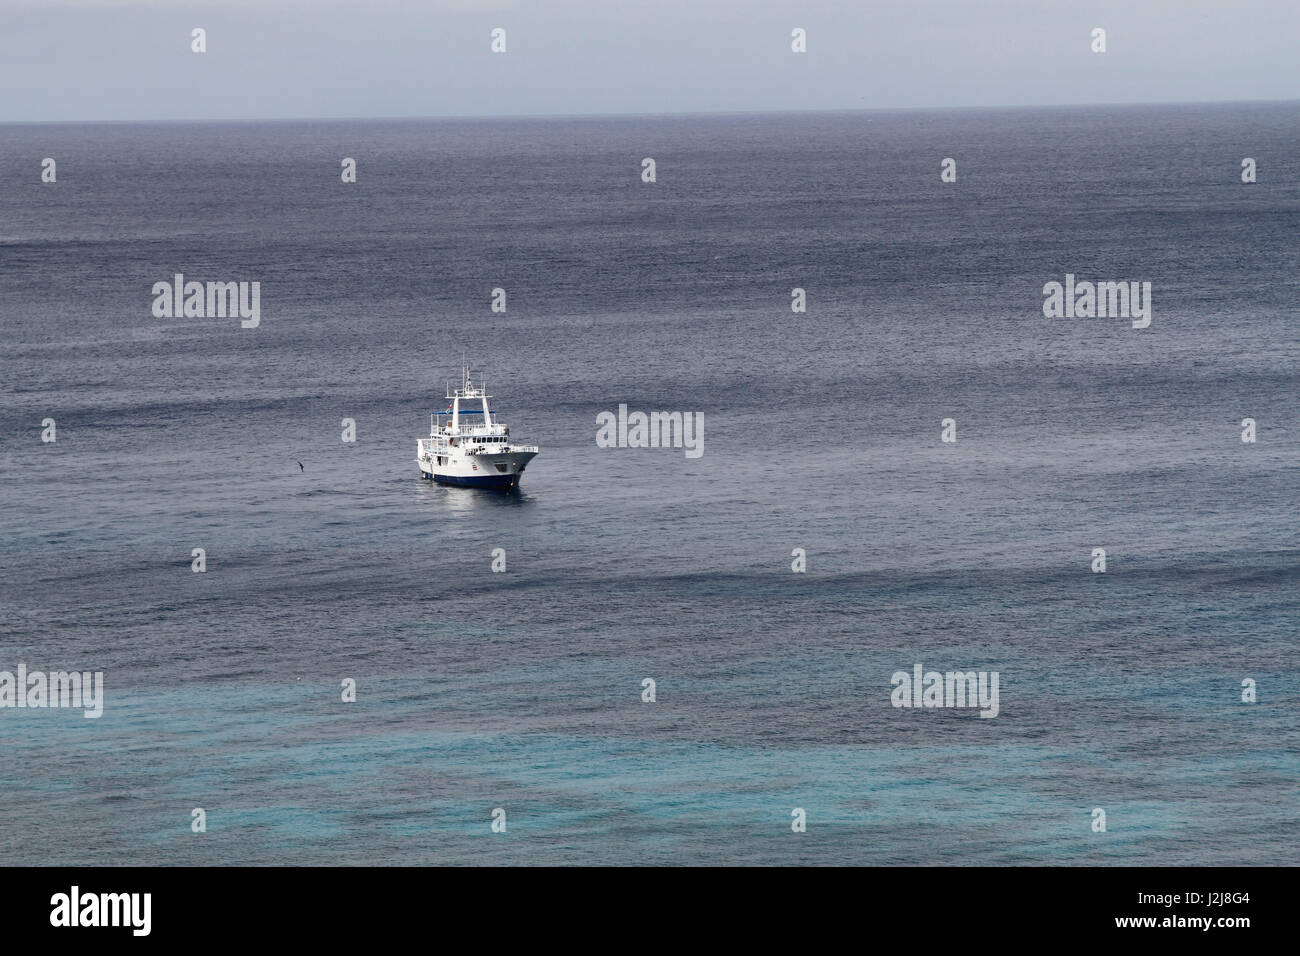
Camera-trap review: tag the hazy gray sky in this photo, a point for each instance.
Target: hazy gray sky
(117, 60)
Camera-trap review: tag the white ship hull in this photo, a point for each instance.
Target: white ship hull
(495, 470)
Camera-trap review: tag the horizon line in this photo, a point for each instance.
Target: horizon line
(654, 114)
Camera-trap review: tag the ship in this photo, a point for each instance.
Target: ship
(470, 447)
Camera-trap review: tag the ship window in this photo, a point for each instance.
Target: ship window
(501, 466)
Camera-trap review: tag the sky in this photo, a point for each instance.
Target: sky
(89, 60)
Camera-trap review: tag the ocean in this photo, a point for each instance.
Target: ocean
(1120, 691)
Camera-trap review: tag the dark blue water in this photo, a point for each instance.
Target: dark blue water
(522, 689)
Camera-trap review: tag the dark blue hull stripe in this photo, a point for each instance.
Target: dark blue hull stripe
(478, 481)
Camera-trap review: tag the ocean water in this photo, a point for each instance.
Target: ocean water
(522, 690)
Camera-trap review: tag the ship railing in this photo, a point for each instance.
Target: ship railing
(469, 446)
(497, 449)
